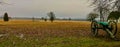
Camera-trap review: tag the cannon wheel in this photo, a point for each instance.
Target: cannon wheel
(94, 29)
(113, 27)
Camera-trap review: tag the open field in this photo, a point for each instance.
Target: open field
(57, 34)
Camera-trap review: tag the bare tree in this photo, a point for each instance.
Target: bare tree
(3, 3)
(102, 7)
(116, 5)
(51, 16)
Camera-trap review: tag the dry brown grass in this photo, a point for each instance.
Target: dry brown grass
(40, 30)
(46, 28)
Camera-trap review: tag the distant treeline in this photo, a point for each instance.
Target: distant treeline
(26, 18)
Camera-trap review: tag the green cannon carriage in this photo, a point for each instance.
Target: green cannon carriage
(110, 27)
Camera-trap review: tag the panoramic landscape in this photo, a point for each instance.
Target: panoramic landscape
(61, 23)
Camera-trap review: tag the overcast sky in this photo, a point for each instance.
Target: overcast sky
(40, 8)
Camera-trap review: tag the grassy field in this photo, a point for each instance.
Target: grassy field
(57, 34)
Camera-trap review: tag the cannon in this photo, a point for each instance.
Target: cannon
(110, 27)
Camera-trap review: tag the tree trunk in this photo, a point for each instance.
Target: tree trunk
(119, 9)
(101, 15)
(116, 21)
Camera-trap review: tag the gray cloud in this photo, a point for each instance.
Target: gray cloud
(39, 8)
